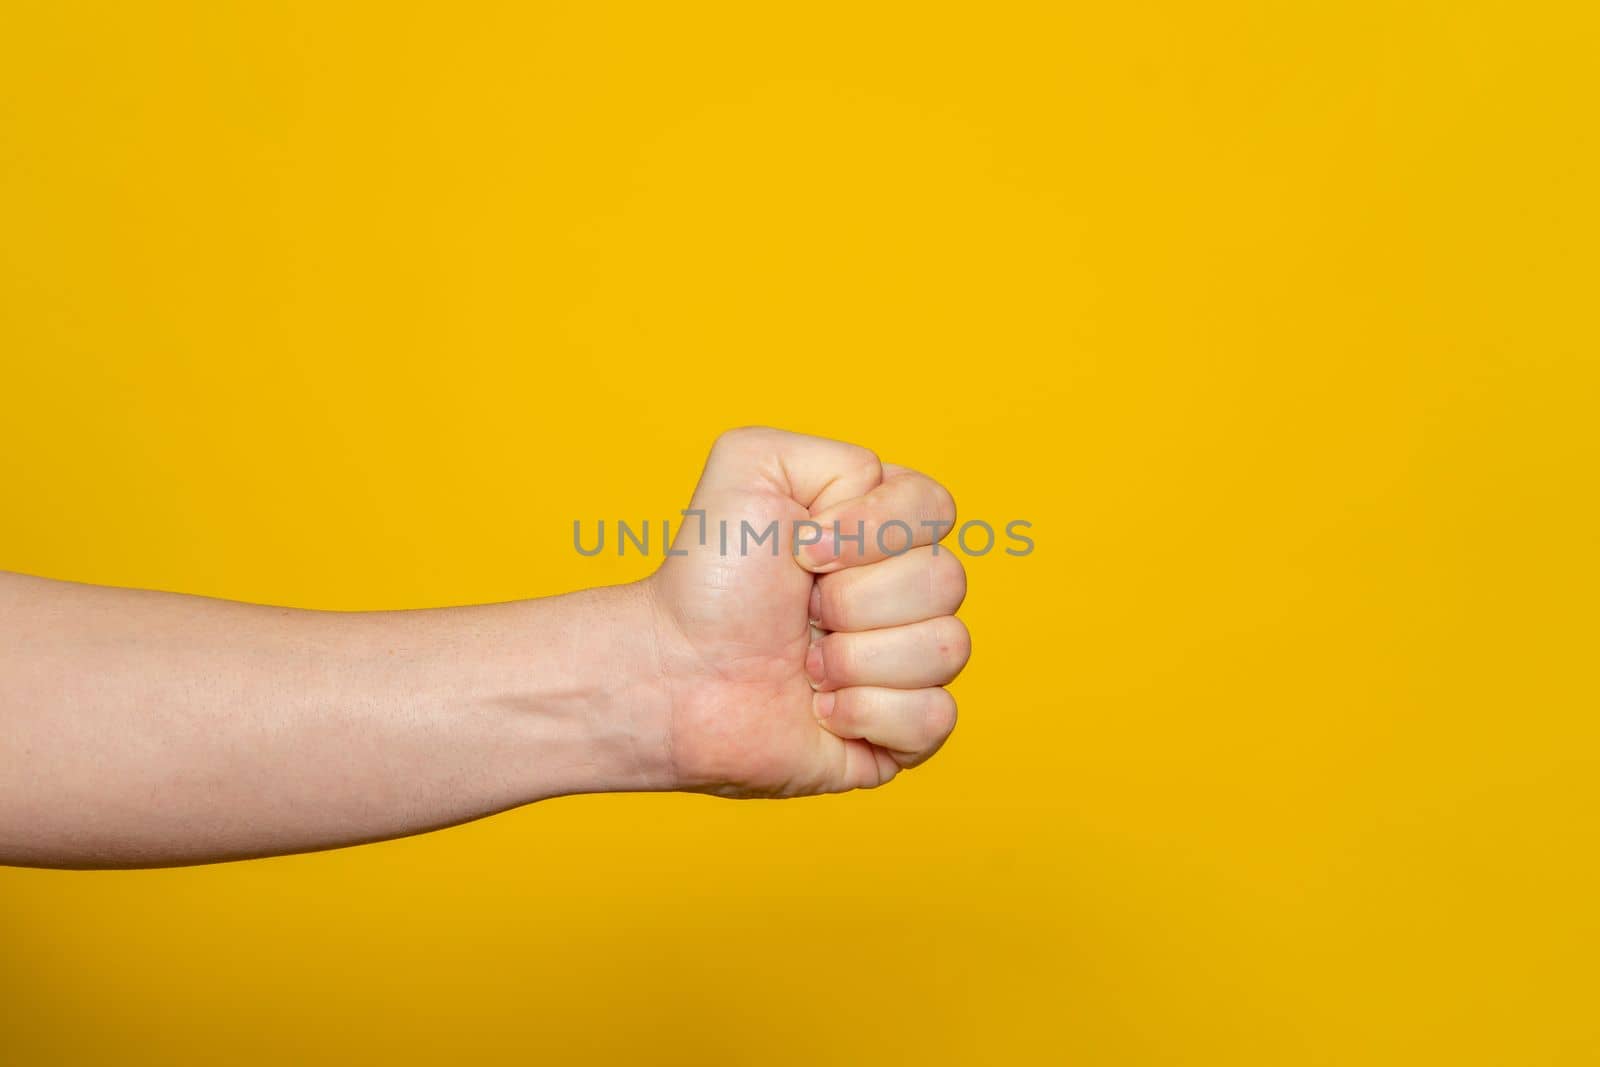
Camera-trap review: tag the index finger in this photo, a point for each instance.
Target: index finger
(908, 510)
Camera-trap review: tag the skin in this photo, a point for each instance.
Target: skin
(153, 729)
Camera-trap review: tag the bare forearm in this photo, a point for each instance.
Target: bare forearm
(141, 728)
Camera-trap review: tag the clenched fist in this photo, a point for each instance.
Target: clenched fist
(815, 663)
(804, 651)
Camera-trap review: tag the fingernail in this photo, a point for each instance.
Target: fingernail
(816, 669)
(816, 601)
(821, 552)
(823, 705)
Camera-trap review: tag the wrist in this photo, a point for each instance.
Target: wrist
(593, 709)
(537, 698)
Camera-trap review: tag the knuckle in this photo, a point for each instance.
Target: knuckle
(955, 644)
(867, 462)
(949, 580)
(943, 503)
(740, 437)
(846, 458)
(941, 716)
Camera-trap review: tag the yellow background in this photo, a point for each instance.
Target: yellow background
(1278, 321)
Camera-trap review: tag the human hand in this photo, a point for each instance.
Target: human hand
(792, 674)
(148, 729)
